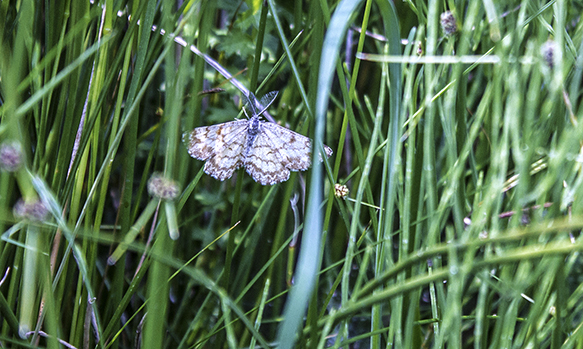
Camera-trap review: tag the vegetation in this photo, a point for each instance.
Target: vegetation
(449, 214)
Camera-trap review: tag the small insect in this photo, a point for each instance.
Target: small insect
(267, 151)
(211, 91)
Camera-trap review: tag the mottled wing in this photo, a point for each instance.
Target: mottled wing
(328, 151)
(277, 150)
(222, 146)
(264, 162)
(295, 149)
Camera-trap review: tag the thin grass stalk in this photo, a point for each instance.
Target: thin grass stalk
(440, 274)
(261, 211)
(259, 47)
(235, 215)
(28, 295)
(158, 286)
(412, 333)
(449, 123)
(278, 241)
(429, 162)
(391, 164)
(109, 337)
(10, 319)
(65, 73)
(158, 289)
(11, 63)
(79, 309)
(366, 168)
(124, 123)
(292, 63)
(102, 188)
(351, 121)
(452, 324)
(200, 277)
(253, 234)
(196, 63)
(348, 120)
(50, 317)
(493, 202)
(300, 294)
(260, 310)
(49, 199)
(83, 335)
(320, 14)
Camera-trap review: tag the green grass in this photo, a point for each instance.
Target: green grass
(461, 153)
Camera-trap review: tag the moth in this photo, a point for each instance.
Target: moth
(267, 150)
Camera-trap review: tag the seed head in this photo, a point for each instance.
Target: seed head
(448, 23)
(31, 210)
(341, 190)
(162, 187)
(10, 156)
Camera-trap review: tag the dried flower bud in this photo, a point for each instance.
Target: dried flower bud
(162, 187)
(10, 156)
(548, 51)
(448, 23)
(341, 191)
(31, 210)
(419, 45)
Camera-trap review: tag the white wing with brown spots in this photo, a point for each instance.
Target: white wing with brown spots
(268, 151)
(220, 145)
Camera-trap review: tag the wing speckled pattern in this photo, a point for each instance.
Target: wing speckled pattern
(264, 162)
(267, 151)
(220, 145)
